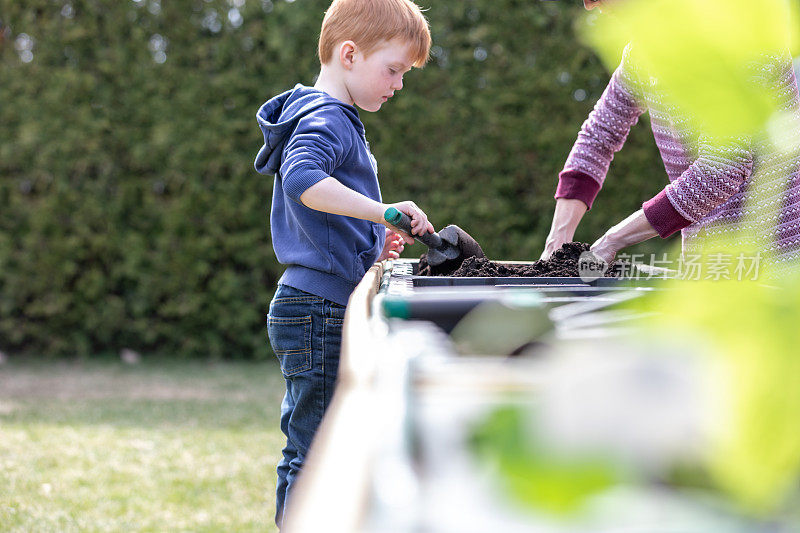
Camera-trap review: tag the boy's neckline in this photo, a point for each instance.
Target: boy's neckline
(327, 94)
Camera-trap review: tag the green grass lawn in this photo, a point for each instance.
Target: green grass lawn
(159, 446)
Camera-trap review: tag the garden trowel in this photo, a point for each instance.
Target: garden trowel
(450, 244)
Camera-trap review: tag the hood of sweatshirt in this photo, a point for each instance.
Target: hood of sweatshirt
(278, 116)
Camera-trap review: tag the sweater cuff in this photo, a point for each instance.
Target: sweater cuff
(664, 218)
(577, 185)
(298, 180)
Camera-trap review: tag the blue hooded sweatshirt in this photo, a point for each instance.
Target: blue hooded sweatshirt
(309, 136)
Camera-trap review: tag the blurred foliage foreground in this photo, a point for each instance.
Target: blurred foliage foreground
(131, 216)
(696, 413)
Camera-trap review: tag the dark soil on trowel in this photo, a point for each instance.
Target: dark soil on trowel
(562, 264)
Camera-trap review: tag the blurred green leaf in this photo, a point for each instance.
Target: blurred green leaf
(748, 329)
(534, 476)
(705, 53)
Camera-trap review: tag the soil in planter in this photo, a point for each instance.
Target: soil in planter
(562, 264)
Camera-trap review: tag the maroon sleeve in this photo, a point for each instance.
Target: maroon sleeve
(577, 185)
(664, 218)
(602, 134)
(718, 173)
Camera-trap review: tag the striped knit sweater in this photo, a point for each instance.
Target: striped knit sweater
(707, 193)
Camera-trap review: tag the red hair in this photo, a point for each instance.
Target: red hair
(368, 23)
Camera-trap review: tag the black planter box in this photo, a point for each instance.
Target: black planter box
(444, 300)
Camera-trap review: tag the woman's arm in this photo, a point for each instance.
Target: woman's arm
(567, 215)
(630, 231)
(717, 174)
(602, 135)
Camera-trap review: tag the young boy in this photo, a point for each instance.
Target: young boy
(327, 213)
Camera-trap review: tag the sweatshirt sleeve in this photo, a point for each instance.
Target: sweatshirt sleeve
(716, 175)
(602, 135)
(320, 142)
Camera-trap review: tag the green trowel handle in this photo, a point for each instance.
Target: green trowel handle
(400, 220)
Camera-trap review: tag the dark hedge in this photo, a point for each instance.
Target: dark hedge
(130, 213)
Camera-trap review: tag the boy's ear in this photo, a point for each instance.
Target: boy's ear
(347, 52)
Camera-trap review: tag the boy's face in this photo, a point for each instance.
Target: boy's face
(373, 79)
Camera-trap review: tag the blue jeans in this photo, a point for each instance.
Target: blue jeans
(305, 332)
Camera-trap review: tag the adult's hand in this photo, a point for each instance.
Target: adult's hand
(567, 215)
(630, 231)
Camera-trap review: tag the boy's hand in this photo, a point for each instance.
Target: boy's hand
(393, 247)
(419, 220)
